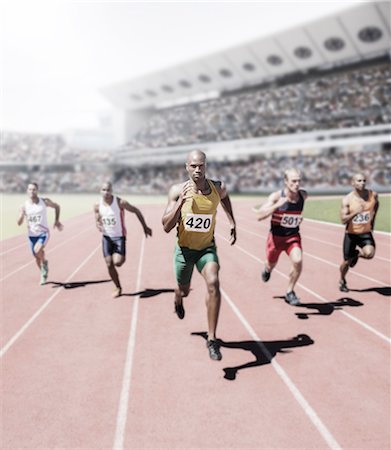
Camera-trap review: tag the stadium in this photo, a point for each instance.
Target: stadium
(83, 370)
(318, 93)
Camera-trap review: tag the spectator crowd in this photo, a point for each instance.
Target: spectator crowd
(353, 98)
(348, 98)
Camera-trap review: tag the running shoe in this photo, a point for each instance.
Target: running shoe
(265, 276)
(214, 350)
(354, 260)
(46, 267)
(343, 287)
(292, 298)
(44, 273)
(179, 310)
(117, 292)
(43, 279)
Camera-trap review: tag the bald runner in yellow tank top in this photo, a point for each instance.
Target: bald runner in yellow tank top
(191, 208)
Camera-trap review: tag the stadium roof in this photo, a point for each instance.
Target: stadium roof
(355, 34)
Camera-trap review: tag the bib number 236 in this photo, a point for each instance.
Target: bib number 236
(198, 222)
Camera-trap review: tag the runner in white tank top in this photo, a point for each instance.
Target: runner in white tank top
(112, 218)
(37, 220)
(35, 211)
(109, 219)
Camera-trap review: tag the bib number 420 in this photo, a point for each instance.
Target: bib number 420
(200, 223)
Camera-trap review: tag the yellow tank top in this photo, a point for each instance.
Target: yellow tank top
(198, 219)
(361, 222)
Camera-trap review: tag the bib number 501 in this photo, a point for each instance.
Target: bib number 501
(291, 220)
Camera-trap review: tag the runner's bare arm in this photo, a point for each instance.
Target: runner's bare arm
(177, 196)
(98, 218)
(57, 209)
(273, 202)
(22, 215)
(227, 206)
(126, 205)
(375, 210)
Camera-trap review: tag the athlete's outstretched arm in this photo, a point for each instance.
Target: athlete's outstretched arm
(125, 205)
(177, 196)
(22, 214)
(98, 218)
(227, 206)
(376, 207)
(57, 210)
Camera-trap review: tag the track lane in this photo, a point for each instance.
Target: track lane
(178, 397)
(195, 406)
(335, 375)
(62, 376)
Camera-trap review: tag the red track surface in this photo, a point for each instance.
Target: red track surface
(82, 370)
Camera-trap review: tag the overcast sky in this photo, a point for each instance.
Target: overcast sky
(56, 55)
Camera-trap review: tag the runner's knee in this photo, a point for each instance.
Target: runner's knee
(368, 253)
(184, 291)
(213, 285)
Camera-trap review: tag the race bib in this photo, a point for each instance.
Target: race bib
(363, 217)
(34, 219)
(109, 221)
(291, 220)
(200, 223)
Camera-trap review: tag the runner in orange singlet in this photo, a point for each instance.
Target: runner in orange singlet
(358, 212)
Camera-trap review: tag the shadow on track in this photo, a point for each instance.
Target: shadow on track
(75, 284)
(380, 290)
(264, 352)
(148, 293)
(325, 309)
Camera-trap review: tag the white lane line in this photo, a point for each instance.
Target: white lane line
(122, 414)
(322, 299)
(48, 252)
(299, 397)
(382, 233)
(331, 244)
(11, 249)
(16, 336)
(325, 261)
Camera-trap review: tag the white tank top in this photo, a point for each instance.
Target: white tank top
(112, 218)
(37, 221)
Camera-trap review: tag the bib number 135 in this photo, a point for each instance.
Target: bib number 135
(200, 223)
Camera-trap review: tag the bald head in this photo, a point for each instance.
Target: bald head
(197, 155)
(196, 165)
(107, 185)
(357, 176)
(359, 181)
(106, 190)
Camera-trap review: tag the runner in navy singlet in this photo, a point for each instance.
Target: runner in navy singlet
(285, 208)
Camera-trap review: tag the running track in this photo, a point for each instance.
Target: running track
(81, 370)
